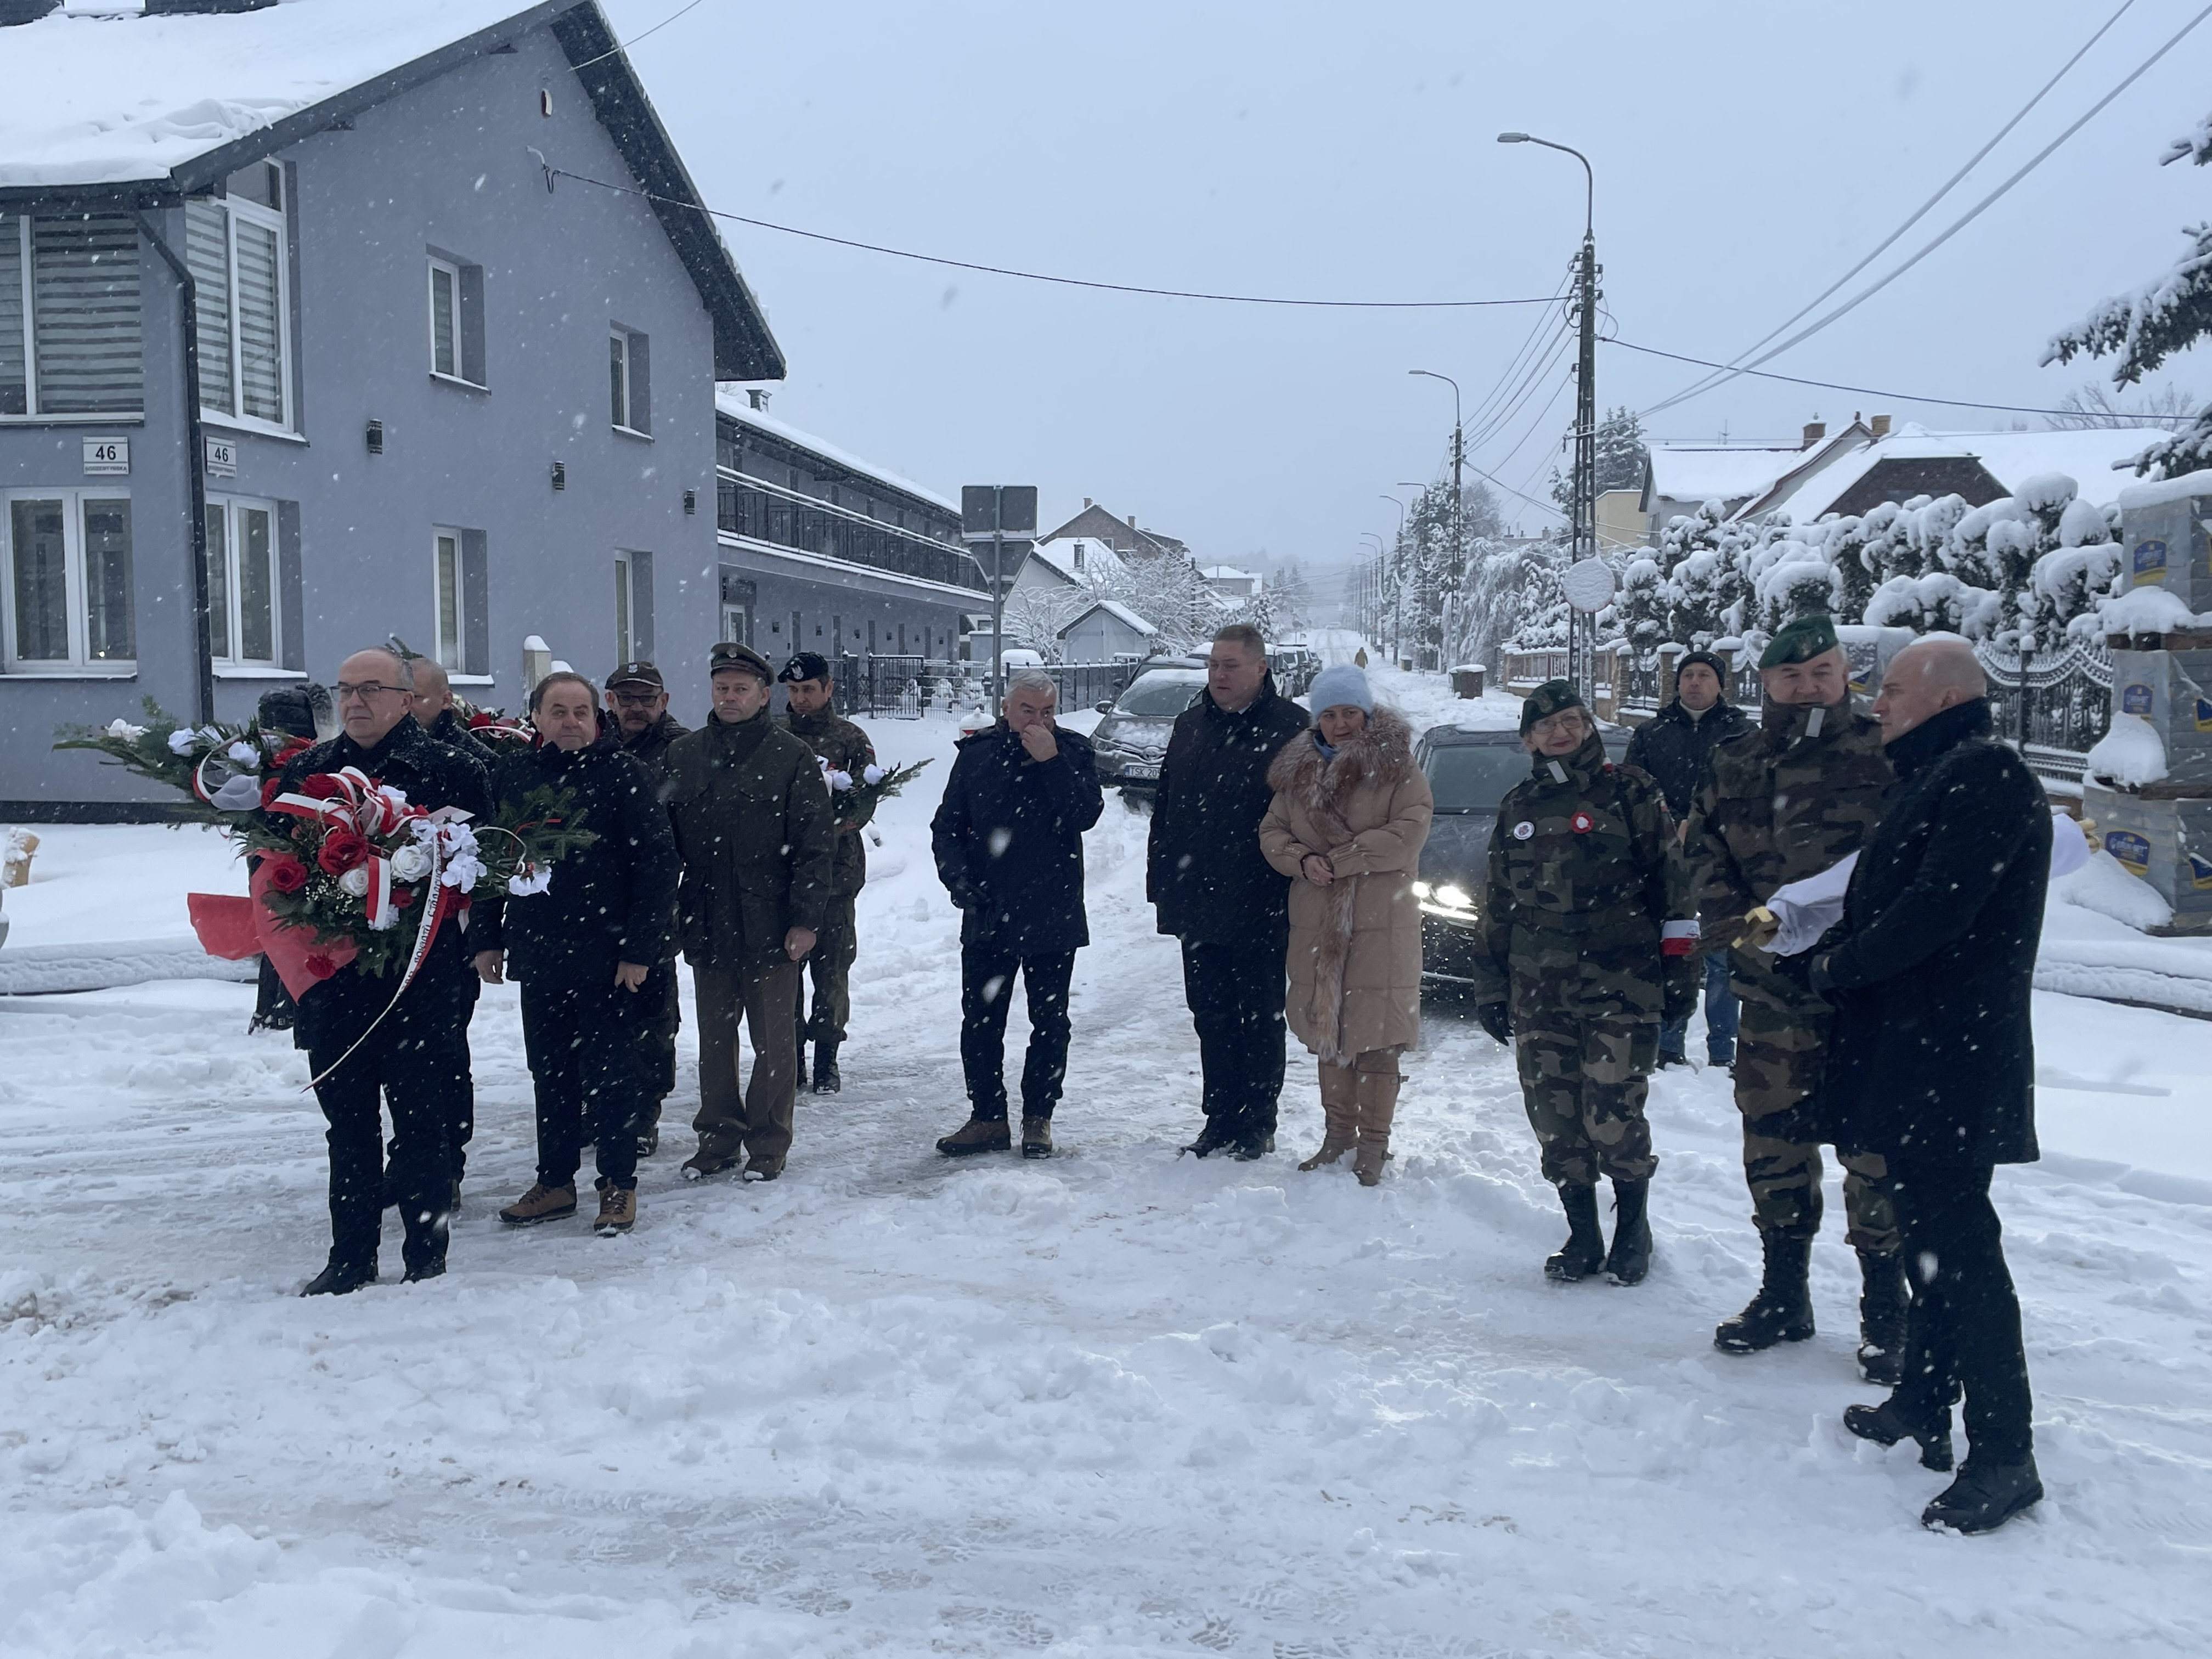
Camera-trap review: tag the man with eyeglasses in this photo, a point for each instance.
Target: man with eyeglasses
(637, 700)
(415, 1060)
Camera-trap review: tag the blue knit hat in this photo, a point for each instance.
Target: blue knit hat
(1341, 684)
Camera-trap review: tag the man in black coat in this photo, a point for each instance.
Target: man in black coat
(416, 1059)
(1931, 1066)
(434, 707)
(591, 951)
(1212, 890)
(1008, 839)
(637, 704)
(1675, 746)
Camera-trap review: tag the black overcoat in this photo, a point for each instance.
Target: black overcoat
(1932, 1056)
(611, 902)
(1677, 751)
(1008, 840)
(1204, 871)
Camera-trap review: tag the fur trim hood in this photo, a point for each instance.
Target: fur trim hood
(1382, 751)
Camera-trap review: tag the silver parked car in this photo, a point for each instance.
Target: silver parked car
(1132, 739)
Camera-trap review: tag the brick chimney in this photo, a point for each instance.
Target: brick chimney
(1878, 426)
(1086, 503)
(1815, 431)
(757, 398)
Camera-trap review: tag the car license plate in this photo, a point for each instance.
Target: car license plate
(1140, 769)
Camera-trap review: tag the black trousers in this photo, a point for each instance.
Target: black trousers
(587, 1041)
(415, 1061)
(1963, 1332)
(1236, 996)
(987, 990)
(657, 1036)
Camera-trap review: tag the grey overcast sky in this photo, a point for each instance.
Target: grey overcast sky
(1746, 155)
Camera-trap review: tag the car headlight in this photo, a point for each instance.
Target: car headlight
(1449, 901)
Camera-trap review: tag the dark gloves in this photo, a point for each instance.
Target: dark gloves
(1497, 1018)
(1816, 973)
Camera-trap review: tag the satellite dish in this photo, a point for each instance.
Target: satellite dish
(1588, 584)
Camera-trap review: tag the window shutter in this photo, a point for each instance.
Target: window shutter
(292, 629)
(14, 389)
(641, 605)
(260, 345)
(472, 324)
(207, 256)
(84, 311)
(476, 609)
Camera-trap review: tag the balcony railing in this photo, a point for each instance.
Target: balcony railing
(742, 509)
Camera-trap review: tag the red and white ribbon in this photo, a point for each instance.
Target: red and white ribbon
(1677, 939)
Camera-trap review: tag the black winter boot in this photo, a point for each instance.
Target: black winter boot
(340, 1278)
(423, 1249)
(1885, 1425)
(1985, 1496)
(827, 1081)
(1583, 1253)
(1883, 1299)
(1630, 1258)
(1782, 1309)
(1219, 1134)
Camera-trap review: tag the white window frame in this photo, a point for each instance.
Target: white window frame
(450, 653)
(229, 553)
(624, 420)
(234, 208)
(625, 608)
(452, 273)
(80, 664)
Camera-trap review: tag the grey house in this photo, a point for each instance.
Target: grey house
(441, 391)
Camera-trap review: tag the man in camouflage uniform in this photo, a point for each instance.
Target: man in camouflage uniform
(636, 700)
(815, 722)
(1780, 804)
(1585, 950)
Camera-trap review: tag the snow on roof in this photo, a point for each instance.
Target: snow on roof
(1114, 608)
(2010, 458)
(1227, 573)
(1098, 559)
(734, 404)
(1718, 472)
(2165, 491)
(95, 100)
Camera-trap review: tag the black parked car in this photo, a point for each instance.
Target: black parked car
(1131, 742)
(1468, 773)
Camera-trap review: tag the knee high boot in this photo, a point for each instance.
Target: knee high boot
(1339, 1106)
(1378, 1105)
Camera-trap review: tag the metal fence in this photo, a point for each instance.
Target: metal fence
(2056, 706)
(1084, 684)
(905, 687)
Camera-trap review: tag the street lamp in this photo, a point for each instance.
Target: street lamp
(1582, 639)
(1454, 574)
(1398, 612)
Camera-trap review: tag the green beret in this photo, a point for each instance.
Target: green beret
(1547, 700)
(1801, 640)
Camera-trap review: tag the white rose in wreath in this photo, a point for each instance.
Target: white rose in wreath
(354, 881)
(182, 739)
(872, 773)
(124, 730)
(411, 862)
(245, 755)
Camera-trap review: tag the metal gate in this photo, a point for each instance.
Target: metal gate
(881, 687)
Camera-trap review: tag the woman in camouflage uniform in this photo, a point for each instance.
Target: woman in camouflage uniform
(1585, 952)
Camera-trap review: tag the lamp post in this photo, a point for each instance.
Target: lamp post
(1398, 544)
(1455, 573)
(1581, 636)
(1382, 570)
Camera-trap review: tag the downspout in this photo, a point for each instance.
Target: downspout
(196, 469)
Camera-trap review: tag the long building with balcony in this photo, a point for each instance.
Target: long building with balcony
(822, 551)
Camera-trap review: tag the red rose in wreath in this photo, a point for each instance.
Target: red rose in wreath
(286, 875)
(402, 897)
(320, 966)
(321, 786)
(342, 849)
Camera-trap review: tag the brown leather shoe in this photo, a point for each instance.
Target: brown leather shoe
(540, 1203)
(617, 1211)
(1036, 1137)
(977, 1134)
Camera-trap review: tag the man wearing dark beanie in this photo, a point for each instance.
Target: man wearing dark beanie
(1676, 748)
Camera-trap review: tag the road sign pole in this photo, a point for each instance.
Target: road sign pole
(998, 619)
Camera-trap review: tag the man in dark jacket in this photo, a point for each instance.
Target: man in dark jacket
(586, 950)
(1213, 890)
(1676, 748)
(434, 707)
(637, 704)
(755, 832)
(416, 1059)
(1008, 838)
(814, 718)
(1932, 1062)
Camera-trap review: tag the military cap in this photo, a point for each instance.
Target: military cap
(1547, 700)
(1801, 640)
(805, 665)
(730, 655)
(637, 673)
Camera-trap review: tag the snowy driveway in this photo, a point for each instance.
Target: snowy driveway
(1120, 1402)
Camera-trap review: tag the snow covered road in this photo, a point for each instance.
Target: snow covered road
(1119, 1402)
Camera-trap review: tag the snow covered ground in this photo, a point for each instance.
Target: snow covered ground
(1116, 1403)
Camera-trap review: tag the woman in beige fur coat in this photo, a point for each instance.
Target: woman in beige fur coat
(1350, 814)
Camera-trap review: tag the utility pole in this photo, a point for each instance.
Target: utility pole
(1581, 626)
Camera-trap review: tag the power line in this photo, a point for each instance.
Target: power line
(553, 173)
(635, 39)
(1918, 213)
(1967, 218)
(1833, 385)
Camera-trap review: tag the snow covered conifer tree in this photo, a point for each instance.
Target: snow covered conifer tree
(2158, 320)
